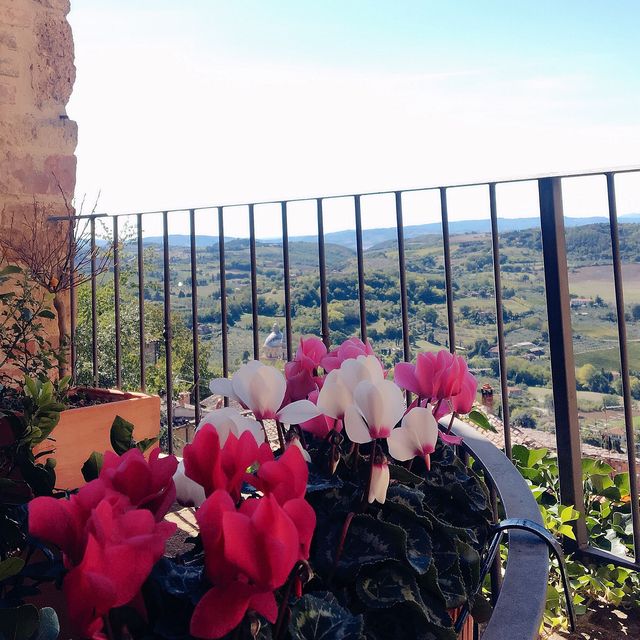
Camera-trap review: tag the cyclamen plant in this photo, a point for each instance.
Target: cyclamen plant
(362, 524)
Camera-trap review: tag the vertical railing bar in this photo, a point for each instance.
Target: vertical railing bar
(72, 301)
(116, 300)
(287, 279)
(561, 350)
(254, 284)
(194, 318)
(496, 567)
(360, 255)
(404, 302)
(448, 279)
(223, 299)
(624, 361)
(502, 350)
(322, 266)
(141, 322)
(167, 329)
(94, 305)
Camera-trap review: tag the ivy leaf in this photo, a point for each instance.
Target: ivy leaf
(121, 435)
(144, 444)
(319, 617)
(45, 313)
(480, 420)
(91, 467)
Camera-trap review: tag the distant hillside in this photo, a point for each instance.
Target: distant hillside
(372, 237)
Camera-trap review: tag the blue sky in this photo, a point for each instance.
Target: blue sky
(195, 102)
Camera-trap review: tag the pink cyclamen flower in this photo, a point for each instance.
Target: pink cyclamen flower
(434, 377)
(321, 425)
(376, 410)
(349, 349)
(379, 482)
(417, 436)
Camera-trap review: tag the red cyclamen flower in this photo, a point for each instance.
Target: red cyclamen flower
(148, 485)
(108, 546)
(213, 467)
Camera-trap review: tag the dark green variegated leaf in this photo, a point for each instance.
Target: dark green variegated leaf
(416, 529)
(481, 609)
(181, 581)
(406, 496)
(320, 482)
(20, 623)
(91, 467)
(450, 578)
(121, 435)
(319, 617)
(402, 474)
(409, 620)
(368, 541)
(45, 313)
(381, 586)
(469, 561)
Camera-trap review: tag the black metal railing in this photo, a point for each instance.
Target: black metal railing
(554, 255)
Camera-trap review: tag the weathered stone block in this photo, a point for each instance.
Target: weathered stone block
(8, 41)
(7, 94)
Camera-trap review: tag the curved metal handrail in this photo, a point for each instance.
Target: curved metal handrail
(518, 611)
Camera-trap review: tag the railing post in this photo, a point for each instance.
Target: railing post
(561, 349)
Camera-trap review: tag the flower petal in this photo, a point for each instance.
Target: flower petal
(298, 412)
(223, 387)
(355, 426)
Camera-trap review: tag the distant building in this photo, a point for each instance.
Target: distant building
(515, 392)
(576, 303)
(494, 352)
(538, 352)
(274, 345)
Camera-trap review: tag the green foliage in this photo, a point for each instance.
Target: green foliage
(608, 520)
(319, 617)
(25, 350)
(403, 564)
(122, 440)
(182, 353)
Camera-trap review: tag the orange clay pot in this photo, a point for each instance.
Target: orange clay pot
(467, 630)
(84, 430)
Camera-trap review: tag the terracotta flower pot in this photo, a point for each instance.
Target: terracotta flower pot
(84, 430)
(467, 630)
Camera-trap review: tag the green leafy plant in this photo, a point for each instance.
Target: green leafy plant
(608, 520)
(122, 440)
(25, 350)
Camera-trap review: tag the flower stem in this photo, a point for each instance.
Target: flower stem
(372, 460)
(280, 434)
(453, 417)
(343, 538)
(284, 604)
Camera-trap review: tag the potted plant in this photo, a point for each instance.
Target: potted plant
(362, 523)
(28, 356)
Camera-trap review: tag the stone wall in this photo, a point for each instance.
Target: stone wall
(37, 139)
